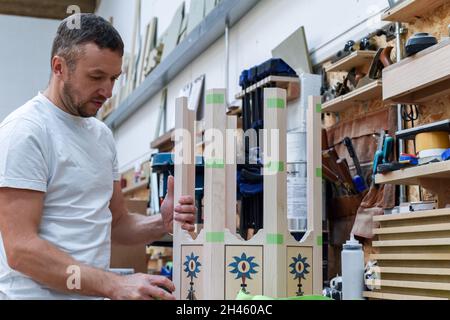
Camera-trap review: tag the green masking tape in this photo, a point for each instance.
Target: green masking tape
(319, 240)
(215, 164)
(275, 166)
(319, 108)
(319, 172)
(274, 238)
(276, 103)
(215, 98)
(215, 237)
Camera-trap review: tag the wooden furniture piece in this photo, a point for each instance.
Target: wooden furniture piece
(218, 263)
(414, 248)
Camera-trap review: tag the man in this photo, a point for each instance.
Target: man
(60, 196)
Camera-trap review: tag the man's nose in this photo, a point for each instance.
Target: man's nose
(106, 90)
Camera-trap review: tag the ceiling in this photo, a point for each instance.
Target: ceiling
(49, 9)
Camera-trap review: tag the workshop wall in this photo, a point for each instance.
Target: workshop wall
(19, 82)
(251, 42)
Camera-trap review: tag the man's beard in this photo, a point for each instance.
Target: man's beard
(75, 108)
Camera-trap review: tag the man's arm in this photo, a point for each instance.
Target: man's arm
(131, 229)
(20, 216)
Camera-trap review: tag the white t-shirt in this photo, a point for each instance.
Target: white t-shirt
(73, 161)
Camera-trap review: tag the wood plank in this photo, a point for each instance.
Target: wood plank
(413, 215)
(47, 9)
(410, 284)
(410, 270)
(393, 296)
(412, 176)
(412, 242)
(422, 79)
(357, 59)
(291, 84)
(184, 166)
(413, 229)
(411, 256)
(410, 10)
(366, 93)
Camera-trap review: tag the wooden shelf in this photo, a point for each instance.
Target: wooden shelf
(411, 256)
(420, 78)
(414, 229)
(368, 92)
(357, 59)
(412, 243)
(411, 284)
(410, 10)
(394, 296)
(410, 270)
(291, 84)
(141, 185)
(413, 215)
(412, 176)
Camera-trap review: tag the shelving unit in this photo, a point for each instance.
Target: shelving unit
(368, 92)
(424, 77)
(409, 10)
(414, 248)
(357, 59)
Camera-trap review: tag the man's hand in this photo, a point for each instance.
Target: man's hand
(184, 211)
(142, 287)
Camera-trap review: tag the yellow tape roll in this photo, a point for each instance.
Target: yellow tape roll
(432, 140)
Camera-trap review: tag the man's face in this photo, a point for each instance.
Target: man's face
(86, 88)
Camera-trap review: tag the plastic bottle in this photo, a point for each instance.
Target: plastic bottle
(352, 270)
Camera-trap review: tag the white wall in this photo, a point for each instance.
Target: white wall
(251, 42)
(24, 59)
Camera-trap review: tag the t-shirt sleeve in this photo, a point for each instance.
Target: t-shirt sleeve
(23, 154)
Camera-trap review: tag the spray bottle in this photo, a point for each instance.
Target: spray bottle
(352, 270)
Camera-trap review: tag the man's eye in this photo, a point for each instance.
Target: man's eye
(96, 78)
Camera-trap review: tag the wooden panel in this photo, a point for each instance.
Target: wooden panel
(237, 261)
(411, 256)
(413, 229)
(404, 270)
(192, 280)
(410, 10)
(414, 215)
(413, 242)
(412, 176)
(393, 296)
(184, 176)
(410, 284)
(300, 273)
(49, 9)
(366, 93)
(357, 59)
(420, 78)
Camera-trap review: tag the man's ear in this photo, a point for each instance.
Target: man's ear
(58, 66)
